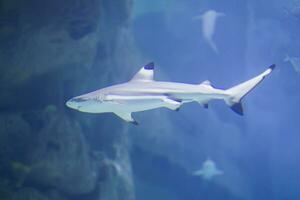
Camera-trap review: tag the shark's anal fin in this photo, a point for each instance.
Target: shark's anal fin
(172, 103)
(204, 103)
(127, 117)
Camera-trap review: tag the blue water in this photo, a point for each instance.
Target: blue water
(53, 51)
(258, 152)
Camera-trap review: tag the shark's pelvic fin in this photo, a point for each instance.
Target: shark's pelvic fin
(127, 117)
(173, 104)
(146, 73)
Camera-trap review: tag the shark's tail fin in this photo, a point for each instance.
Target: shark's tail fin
(213, 46)
(237, 93)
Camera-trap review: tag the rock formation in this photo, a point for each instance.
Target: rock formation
(51, 51)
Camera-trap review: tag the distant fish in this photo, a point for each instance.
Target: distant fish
(295, 62)
(20, 171)
(208, 170)
(209, 25)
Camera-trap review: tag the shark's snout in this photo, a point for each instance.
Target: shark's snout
(70, 104)
(74, 103)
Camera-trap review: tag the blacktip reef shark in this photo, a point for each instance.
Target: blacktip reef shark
(294, 61)
(209, 19)
(142, 93)
(208, 170)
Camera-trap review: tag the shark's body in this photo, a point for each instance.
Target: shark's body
(143, 93)
(208, 170)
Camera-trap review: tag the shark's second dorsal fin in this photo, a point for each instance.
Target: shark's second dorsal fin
(207, 82)
(145, 73)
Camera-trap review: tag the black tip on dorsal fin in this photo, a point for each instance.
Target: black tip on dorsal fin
(149, 66)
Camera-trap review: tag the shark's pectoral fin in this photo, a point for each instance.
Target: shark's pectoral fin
(173, 104)
(127, 117)
(198, 173)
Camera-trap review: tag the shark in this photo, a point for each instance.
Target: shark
(294, 61)
(209, 19)
(208, 170)
(143, 93)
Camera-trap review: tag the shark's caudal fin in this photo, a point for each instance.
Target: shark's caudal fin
(237, 93)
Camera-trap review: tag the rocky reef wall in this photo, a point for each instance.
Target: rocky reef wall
(51, 51)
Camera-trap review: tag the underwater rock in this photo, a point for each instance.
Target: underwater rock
(5, 189)
(29, 194)
(62, 159)
(27, 61)
(55, 195)
(52, 38)
(118, 11)
(42, 42)
(20, 171)
(117, 183)
(16, 132)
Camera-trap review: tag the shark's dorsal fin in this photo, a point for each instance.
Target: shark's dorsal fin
(206, 82)
(145, 73)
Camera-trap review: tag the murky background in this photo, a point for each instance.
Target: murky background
(51, 51)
